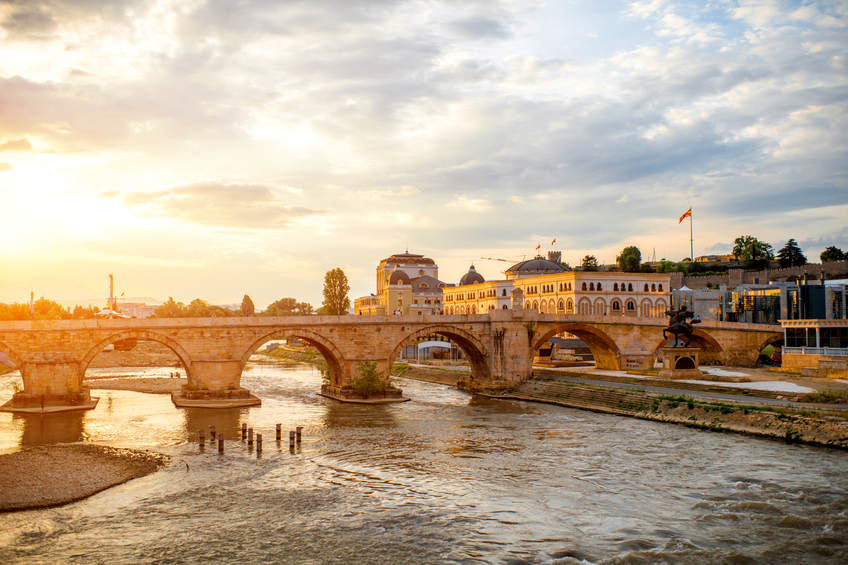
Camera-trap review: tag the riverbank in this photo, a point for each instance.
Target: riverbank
(150, 385)
(52, 475)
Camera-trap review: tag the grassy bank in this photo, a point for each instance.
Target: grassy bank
(316, 359)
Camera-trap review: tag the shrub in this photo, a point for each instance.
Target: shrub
(370, 380)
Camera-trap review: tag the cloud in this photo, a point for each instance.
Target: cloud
(472, 204)
(622, 199)
(516, 200)
(380, 194)
(111, 193)
(479, 28)
(16, 145)
(214, 203)
(5, 166)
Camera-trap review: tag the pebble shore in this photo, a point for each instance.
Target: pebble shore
(150, 385)
(51, 475)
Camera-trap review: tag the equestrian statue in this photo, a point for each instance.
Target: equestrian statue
(678, 326)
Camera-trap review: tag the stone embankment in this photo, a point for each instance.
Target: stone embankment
(51, 475)
(809, 426)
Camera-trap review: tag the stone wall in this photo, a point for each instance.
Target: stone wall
(735, 277)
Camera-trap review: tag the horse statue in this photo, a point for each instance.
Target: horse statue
(678, 326)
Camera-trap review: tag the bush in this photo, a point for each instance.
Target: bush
(370, 380)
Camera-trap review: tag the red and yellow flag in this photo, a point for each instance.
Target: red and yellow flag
(554, 241)
(538, 247)
(688, 214)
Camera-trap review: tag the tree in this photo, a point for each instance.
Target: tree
(832, 254)
(170, 309)
(247, 307)
(646, 268)
(336, 288)
(671, 267)
(790, 255)
(589, 263)
(752, 252)
(629, 259)
(288, 307)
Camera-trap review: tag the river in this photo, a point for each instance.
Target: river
(446, 478)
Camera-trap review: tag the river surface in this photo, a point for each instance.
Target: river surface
(446, 478)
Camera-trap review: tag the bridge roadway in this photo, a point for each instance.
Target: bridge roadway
(54, 355)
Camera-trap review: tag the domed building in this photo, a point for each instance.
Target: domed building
(471, 277)
(534, 267)
(407, 283)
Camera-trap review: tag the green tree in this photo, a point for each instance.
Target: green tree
(629, 259)
(790, 255)
(171, 309)
(646, 268)
(288, 307)
(369, 379)
(589, 263)
(832, 254)
(247, 307)
(336, 288)
(753, 253)
(671, 267)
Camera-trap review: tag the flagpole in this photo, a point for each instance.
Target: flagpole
(691, 240)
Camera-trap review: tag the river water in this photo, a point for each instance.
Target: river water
(446, 478)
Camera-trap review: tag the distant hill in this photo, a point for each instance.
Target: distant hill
(47, 286)
(101, 302)
(65, 292)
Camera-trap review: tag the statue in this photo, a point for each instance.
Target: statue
(678, 326)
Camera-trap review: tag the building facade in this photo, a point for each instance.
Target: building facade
(548, 287)
(407, 283)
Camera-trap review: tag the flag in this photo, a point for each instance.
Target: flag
(688, 214)
(554, 241)
(538, 247)
(122, 294)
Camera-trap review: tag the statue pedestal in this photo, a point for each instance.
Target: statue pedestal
(680, 363)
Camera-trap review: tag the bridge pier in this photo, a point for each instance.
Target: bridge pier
(51, 380)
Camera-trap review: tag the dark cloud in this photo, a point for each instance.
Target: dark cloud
(214, 203)
(4, 166)
(16, 145)
(28, 21)
(479, 28)
(40, 19)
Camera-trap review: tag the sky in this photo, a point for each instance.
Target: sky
(215, 148)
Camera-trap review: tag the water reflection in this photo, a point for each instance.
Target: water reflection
(226, 421)
(44, 429)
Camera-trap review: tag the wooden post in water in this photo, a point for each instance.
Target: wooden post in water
(279, 432)
(220, 443)
(291, 440)
(249, 436)
(258, 443)
(297, 433)
(243, 430)
(201, 437)
(212, 433)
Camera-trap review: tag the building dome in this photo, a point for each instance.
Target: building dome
(398, 277)
(471, 277)
(536, 266)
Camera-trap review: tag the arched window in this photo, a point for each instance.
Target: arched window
(600, 288)
(646, 287)
(504, 294)
(629, 288)
(504, 307)
(535, 306)
(569, 306)
(584, 286)
(569, 286)
(616, 306)
(420, 273)
(528, 306)
(474, 309)
(561, 306)
(660, 288)
(631, 306)
(423, 285)
(653, 288)
(591, 286)
(615, 287)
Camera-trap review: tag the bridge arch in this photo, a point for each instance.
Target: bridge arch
(771, 341)
(335, 359)
(470, 345)
(603, 347)
(712, 353)
(143, 335)
(13, 357)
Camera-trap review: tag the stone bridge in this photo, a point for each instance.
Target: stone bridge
(53, 355)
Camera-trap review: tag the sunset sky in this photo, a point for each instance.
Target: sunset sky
(212, 148)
